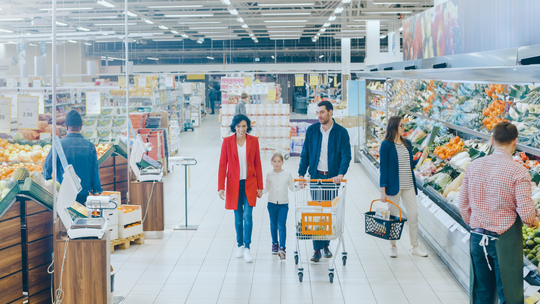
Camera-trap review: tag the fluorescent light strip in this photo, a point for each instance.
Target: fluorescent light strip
(233, 12)
(287, 4)
(148, 21)
(245, 26)
(152, 58)
(327, 24)
(72, 41)
(174, 6)
(285, 32)
(240, 19)
(130, 14)
(332, 18)
(11, 19)
(185, 36)
(175, 39)
(105, 3)
(285, 14)
(284, 26)
(80, 28)
(96, 17)
(211, 58)
(387, 12)
(67, 9)
(86, 43)
(274, 38)
(112, 24)
(61, 23)
(216, 32)
(163, 27)
(208, 27)
(352, 31)
(200, 22)
(338, 10)
(173, 31)
(284, 21)
(188, 16)
(5, 31)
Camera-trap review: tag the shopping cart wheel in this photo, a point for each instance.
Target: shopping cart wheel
(331, 275)
(344, 258)
(296, 259)
(300, 276)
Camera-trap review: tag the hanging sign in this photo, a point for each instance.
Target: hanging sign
(5, 115)
(142, 82)
(24, 82)
(313, 79)
(299, 80)
(272, 94)
(247, 81)
(27, 112)
(169, 82)
(93, 103)
(10, 83)
(41, 102)
(122, 82)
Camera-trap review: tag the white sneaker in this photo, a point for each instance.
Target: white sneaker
(419, 252)
(240, 252)
(393, 252)
(247, 256)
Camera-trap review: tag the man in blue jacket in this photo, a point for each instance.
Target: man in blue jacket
(327, 154)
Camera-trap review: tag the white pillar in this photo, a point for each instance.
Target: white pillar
(346, 55)
(373, 43)
(437, 2)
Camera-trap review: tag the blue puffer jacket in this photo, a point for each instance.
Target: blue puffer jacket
(389, 167)
(339, 151)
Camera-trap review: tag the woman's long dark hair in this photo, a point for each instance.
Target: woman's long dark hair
(392, 129)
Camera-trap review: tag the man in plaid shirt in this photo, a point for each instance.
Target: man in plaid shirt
(495, 191)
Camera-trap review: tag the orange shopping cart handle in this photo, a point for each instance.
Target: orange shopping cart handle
(388, 201)
(317, 180)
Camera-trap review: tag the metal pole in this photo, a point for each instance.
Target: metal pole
(127, 94)
(54, 105)
(186, 168)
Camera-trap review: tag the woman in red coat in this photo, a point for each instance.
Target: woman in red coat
(240, 165)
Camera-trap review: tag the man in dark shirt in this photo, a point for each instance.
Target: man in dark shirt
(81, 154)
(212, 93)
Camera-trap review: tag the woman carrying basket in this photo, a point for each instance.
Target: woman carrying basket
(397, 179)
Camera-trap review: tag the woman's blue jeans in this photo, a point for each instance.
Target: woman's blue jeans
(243, 218)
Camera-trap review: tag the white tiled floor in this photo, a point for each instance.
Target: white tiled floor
(199, 266)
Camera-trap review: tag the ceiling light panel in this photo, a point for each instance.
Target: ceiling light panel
(163, 27)
(200, 22)
(208, 27)
(287, 4)
(67, 9)
(148, 21)
(112, 24)
(338, 10)
(105, 3)
(173, 6)
(284, 21)
(285, 14)
(284, 26)
(188, 16)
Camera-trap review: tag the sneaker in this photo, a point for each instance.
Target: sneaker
(419, 252)
(275, 248)
(240, 252)
(247, 256)
(281, 253)
(393, 252)
(316, 256)
(327, 253)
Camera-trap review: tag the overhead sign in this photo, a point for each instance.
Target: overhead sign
(142, 82)
(169, 82)
(299, 80)
(5, 115)
(122, 82)
(313, 79)
(248, 81)
(93, 103)
(195, 77)
(272, 94)
(27, 112)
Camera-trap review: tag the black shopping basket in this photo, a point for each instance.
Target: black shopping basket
(385, 229)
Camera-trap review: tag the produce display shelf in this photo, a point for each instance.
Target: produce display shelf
(378, 124)
(106, 156)
(377, 108)
(374, 136)
(10, 198)
(370, 165)
(382, 93)
(34, 191)
(450, 209)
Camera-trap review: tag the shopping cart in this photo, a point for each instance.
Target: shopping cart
(319, 215)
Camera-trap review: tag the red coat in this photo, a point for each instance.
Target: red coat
(229, 167)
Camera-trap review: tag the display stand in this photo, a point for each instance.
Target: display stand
(149, 195)
(186, 162)
(86, 275)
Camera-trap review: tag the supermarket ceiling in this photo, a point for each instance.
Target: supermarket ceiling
(201, 22)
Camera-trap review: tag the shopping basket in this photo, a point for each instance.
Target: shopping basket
(385, 229)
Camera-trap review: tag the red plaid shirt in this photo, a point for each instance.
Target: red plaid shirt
(494, 188)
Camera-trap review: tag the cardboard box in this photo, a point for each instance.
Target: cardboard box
(339, 121)
(350, 122)
(164, 118)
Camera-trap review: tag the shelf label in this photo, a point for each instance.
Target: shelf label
(142, 82)
(169, 82)
(466, 238)
(313, 79)
(13, 103)
(24, 82)
(271, 94)
(247, 81)
(41, 102)
(122, 82)
(37, 83)
(454, 227)
(5, 115)
(299, 80)
(93, 103)
(27, 112)
(10, 83)
(433, 208)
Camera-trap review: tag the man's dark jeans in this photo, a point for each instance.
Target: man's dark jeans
(485, 280)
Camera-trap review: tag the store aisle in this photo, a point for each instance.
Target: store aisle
(200, 267)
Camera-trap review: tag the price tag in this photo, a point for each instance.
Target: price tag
(27, 112)
(454, 227)
(5, 115)
(448, 222)
(41, 102)
(466, 238)
(313, 79)
(299, 80)
(271, 94)
(169, 82)
(122, 82)
(142, 82)
(433, 208)
(10, 83)
(37, 83)
(13, 103)
(24, 82)
(247, 81)
(44, 135)
(93, 103)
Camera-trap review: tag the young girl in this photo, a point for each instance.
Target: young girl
(277, 182)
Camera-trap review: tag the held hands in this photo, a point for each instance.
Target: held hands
(259, 193)
(338, 179)
(302, 183)
(222, 194)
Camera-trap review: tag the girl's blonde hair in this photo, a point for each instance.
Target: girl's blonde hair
(277, 155)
